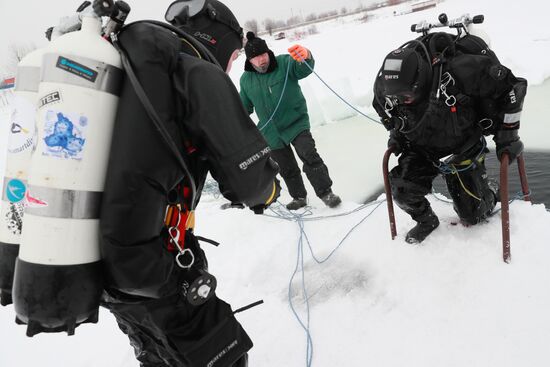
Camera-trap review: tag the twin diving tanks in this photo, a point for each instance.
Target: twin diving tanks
(66, 98)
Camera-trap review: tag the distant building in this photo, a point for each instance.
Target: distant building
(423, 5)
(280, 36)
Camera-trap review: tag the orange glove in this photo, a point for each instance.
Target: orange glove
(298, 53)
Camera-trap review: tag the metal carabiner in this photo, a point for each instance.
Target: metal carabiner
(449, 98)
(174, 233)
(402, 128)
(191, 261)
(446, 79)
(388, 106)
(486, 126)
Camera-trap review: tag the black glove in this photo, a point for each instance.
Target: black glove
(514, 150)
(395, 142)
(508, 141)
(259, 209)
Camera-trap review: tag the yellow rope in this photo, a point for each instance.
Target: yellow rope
(463, 186)
(272, 194)
(193, 47)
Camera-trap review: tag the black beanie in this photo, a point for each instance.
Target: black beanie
(217, 28)
(255, 46)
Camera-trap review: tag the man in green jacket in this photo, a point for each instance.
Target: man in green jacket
(270, 86)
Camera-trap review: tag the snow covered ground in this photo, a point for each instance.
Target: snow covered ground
(376, 302)
(450, 302)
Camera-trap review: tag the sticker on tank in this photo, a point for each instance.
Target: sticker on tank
(64, 135)
(77, 69)
(14, 218)
(15, 190)
(22, 131)
(51, 98)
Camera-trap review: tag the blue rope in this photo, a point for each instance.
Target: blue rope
(449, 169)
(321, 79)
(519, 196)
(336, 93)
(300, 219)
(280, 98)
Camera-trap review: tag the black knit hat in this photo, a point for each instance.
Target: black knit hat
(255, 46)
(215, 26)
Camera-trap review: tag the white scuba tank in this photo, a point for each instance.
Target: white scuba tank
(57, 281)
(21, 130)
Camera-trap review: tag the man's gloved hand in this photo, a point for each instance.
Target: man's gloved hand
(508, 141)
(513, 148)
(299, 53)
(395, 142)
(259, 209)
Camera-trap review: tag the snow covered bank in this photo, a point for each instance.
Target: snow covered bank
(349, 53)
(449, 302)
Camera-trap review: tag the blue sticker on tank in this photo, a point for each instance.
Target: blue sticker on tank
(62, 137)
(15, 190)
(77, 69)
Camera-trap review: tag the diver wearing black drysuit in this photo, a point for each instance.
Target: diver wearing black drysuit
(444, 110)
(200, 107)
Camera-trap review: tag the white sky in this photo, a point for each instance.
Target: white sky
(27, 20)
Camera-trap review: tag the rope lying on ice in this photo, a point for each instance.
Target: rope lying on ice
(281, 212)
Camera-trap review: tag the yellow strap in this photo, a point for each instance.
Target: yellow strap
(190, 223)
(467, 162)
(193, 47)
(272, 194)
(464, 187)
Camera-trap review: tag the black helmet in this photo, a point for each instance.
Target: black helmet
(211, 22)
(404, 77)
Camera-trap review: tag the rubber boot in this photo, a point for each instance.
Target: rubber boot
(426, 225)
(331, 200)
(296, 204)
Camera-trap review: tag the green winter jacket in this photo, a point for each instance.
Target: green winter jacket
(262, 92)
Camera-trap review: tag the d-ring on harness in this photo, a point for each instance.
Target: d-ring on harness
(179, 242)
(198, 286)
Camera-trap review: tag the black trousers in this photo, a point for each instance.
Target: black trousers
(411, 180)
(314, 167)
(162, 330)
(166, 331)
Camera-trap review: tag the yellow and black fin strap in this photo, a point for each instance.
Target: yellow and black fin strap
(464, 187)
(273, 193)
(468, 162)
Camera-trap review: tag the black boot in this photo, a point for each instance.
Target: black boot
(232, 205)
(426, 225)
(331, 200)
(296, 204)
